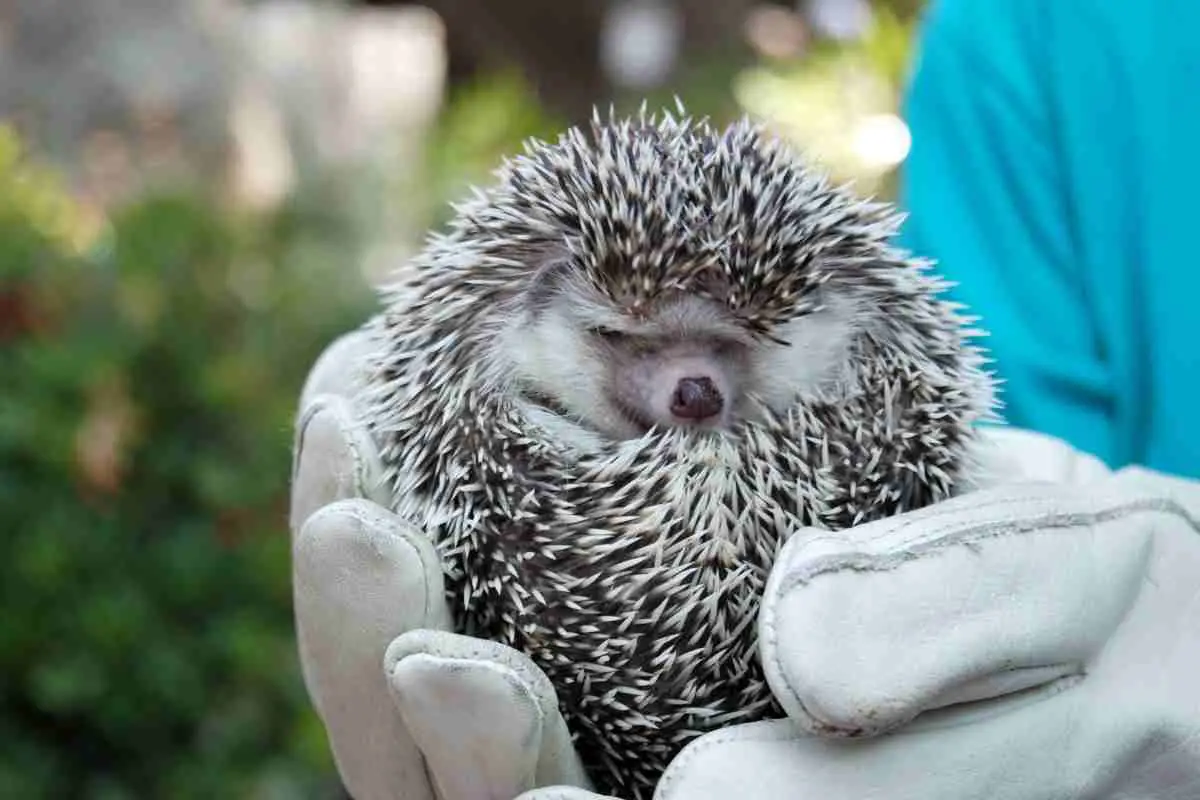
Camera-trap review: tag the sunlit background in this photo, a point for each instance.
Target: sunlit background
(195, 197)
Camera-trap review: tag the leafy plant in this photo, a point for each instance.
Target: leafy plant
(149, 369)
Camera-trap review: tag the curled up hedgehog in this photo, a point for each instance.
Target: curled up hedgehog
(624, 375)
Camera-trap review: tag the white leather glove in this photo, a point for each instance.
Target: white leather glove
(1026, 641)
(411, 711)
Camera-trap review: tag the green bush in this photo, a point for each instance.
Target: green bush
(149, 372)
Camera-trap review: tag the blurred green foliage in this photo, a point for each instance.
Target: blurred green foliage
(813, 99)
(483, 121)
(820, 101)
(491, 117)
(149, 370)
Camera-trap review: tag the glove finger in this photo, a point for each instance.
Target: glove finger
(485, 717)
(361, 578)
(1016, 755)
(340, 369)
(336, 459)
(1013, 455)
(978, 597)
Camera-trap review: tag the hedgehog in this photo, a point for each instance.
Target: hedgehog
(624, 374)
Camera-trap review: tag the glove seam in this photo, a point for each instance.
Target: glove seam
(347, 430)
(314, 406)
(935, 540)
(920, 518)
(467, 649)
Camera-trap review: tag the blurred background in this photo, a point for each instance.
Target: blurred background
(195, 197)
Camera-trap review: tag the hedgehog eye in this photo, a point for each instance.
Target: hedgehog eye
(775, 340)
(607, 334)
(727, 347)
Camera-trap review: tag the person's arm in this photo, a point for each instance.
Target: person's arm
(986, 194)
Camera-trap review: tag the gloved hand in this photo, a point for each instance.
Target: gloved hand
(412, 711)
(1024, 641)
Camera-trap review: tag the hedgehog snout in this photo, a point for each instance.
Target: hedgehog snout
(690, 391)
(696, 399)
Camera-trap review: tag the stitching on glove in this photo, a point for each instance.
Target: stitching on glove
(920, 519)
(334, 406)
(936, 539)
(318, 403)
(456, 647)
(348, 430)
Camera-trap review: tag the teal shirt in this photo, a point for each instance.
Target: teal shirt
(1054, 175)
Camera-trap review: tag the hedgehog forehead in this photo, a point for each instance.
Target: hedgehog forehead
(625, 203)
(781, 225)
(644, 208)
(690, 303)
(670, 314)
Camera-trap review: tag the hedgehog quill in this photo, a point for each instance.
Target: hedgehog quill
(624, 375)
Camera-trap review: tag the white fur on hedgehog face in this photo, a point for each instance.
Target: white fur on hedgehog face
(587, 370)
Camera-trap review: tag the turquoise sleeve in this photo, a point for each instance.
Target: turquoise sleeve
(985, 196)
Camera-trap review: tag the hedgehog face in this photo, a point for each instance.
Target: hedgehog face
(655, 277)
(682, 360)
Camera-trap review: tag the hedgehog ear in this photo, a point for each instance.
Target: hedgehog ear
(551, 270)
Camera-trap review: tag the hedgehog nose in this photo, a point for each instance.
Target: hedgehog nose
(696, 399)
